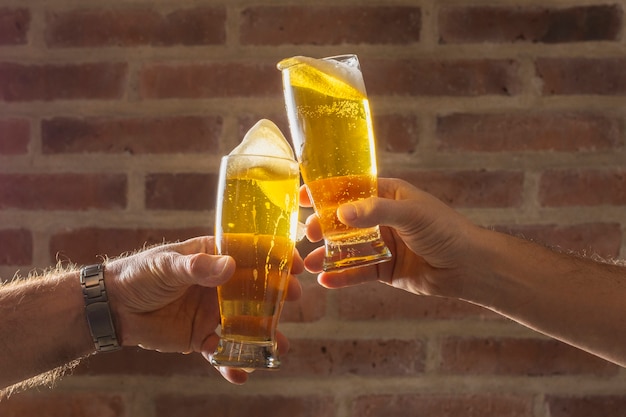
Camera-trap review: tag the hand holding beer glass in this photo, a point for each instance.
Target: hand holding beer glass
(256, 224)
(331, 127)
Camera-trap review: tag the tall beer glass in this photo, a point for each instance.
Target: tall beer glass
(331, 128)
(256, 224)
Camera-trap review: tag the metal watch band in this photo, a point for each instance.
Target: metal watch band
(97, 308)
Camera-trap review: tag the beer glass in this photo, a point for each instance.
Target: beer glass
(256, 224)
(331, 128)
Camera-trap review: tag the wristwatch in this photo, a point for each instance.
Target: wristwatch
(97, 308)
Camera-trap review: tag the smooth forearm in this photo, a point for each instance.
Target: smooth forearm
(42, 326)
(576, 300)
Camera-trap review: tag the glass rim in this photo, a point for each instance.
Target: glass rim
(253, 155)
(340, 57)
(337, 58)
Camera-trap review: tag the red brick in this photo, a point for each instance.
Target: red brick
(466, 188)
(16, 247)
(457, 78)
(335, 25)
(183, 134)
(14, 26)
(21, 82)
(329, 357)
(63, 191)
(83, 246)
(528, 132)
(227, 79)
(529, 24)
(602, 76)
(136, 26)
(59, 404)
(14, 136)
(603, 239)
(378, 301)
(443, 405)
(396, 133)
(584, 406)
(529, 357)
(560, 188)
(181, 191)
(231, 405)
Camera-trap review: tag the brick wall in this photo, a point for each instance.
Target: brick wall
(113, 118)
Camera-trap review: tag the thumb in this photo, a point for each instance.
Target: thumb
(210, 270)
(376, 211)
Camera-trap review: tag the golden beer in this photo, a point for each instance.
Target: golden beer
(250, 300)
(330, 193)
(257, 214)
(331, 127)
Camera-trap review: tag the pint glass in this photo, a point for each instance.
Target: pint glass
(331, 128)
(256, 224)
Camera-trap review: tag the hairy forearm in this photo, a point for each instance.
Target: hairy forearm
(576, 300)
(42, 326)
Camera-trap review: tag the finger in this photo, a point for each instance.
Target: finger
(399, 205)
(294, 289)
(378, 211)
(198, 265)
(350, 277)
(233, 375)
(313, 228)
(397, 189)
(205, 270)
(314, 261)
(297, 267)
(305, 199)
(240, 376)
(387, 188)
(282, 342)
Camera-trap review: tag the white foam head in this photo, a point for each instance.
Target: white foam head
(264, 138)
(344, 68)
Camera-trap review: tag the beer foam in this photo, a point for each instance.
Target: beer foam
(264, 138)
(341, 71)
(272, 176)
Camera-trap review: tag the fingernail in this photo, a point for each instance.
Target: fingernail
(347, 212)
(219, 265)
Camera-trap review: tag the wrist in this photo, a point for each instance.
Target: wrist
(114, 271)
(497, 269)
(97, 308)
(463, 269)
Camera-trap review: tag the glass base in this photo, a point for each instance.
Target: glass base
(352, 255)
(246, 354)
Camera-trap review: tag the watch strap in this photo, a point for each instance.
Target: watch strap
(97, 308)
